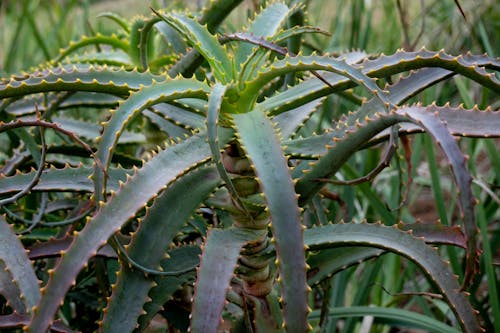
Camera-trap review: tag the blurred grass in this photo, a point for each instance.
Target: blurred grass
(34, 31)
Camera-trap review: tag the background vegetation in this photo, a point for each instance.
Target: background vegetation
(33, 32)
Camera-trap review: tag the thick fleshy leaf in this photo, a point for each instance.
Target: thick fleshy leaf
(403, 243)
(310, 63)
(425, 118)
(166, 216)
(181, 258)
(17, 272)
(459, 121)
(66, 179)
(74, 78)
(147, 182)
(218, 262)
(144, 98)
(262, 144)
(203, 42)
(97, 39)
(446, 65)
(265, 24)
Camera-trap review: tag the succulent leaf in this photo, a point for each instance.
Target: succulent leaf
(140, 188)
(394, 240)
(17, 272)
(166, 216)
(218, 261)
(262, 144)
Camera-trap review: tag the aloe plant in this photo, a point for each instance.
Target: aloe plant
(208, 209)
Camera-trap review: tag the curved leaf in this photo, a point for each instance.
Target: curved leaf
(98, 39)
(310, 63)
(459, 121)
(212, 16)
(180, 258)
(400, 242)
(66, 179)
(203, 42)
(445, 66)
(218, 261)
(90, 78)
(144, 98)
(18, 268)
(265, 24)
(165, 217)
(434, 126)
(147, 182)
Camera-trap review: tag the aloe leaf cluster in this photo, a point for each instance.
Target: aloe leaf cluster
(210, 194)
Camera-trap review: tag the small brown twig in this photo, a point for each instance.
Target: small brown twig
(36, 178)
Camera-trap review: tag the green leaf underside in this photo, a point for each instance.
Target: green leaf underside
(403, 243)
(262, 144)
(144, 98)
(163, 168)
(390, 316)
(15, 264)
(218, 262)
(166, 216)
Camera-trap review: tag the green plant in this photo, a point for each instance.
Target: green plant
(240, 177)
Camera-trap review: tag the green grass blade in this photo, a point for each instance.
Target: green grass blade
(489, 268)
(391, 316)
